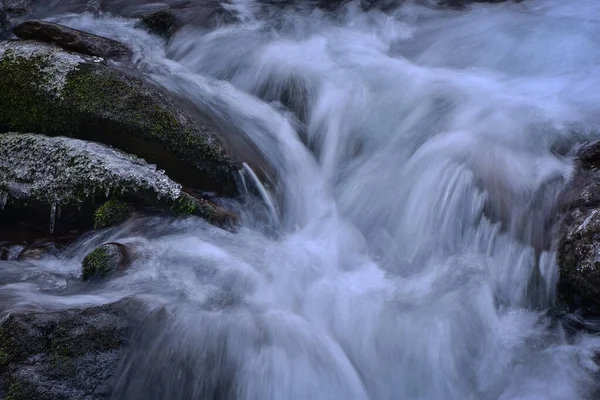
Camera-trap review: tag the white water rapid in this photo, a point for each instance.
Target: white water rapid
(401, 246)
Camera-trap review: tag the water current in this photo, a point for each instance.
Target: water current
(400, 245)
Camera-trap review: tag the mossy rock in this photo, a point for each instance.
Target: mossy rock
(68, 355)
(112, 213)
(104, 260)
(59, 182)
(48, 90)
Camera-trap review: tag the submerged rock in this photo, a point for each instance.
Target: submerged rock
(70, 39)
(35, 252)
(162, 22)
(48, 90)
(104, 260)
(578, 249)
(69, 355)
(45, 175)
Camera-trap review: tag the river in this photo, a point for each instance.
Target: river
(399, 245)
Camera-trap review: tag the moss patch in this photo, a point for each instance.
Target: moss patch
(97, 263)
(111, 213)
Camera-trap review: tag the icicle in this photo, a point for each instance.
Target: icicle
(52, 217)
(3, 199)
(107, 192)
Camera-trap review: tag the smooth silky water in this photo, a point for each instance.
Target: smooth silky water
(399, 245)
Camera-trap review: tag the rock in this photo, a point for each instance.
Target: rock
(162, 22)
(578, 247)
(42, 176)
(69, 355)
(16, 7)
(3, 253)
(35, 252)
(70, 39)
(104, 260)
(11, 11)
(50, 91)
(463, 3)
(111, 213)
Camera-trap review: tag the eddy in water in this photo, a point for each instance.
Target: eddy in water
(399, 173)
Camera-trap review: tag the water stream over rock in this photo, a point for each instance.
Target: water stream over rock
(401, 246)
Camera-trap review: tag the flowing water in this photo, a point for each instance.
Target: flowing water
(400, 247)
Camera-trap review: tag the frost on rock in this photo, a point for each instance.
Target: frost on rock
(60, 171)
(58, 63)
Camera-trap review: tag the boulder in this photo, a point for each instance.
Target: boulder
(578, 247)
(69, 355)
(50, 91)
(104, 260)
(71, 39)
(41, 176)
(162, 22)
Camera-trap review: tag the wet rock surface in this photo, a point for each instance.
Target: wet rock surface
(35, 252)
(104, 260)
(54, 92)
(162, 22)
(70, 39)
(71, 354)
(579, 233)
(40, 177)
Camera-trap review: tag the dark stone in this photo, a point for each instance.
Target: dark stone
(49, 91)
(16, 7)
(68, 355)
(70, 39)
(104, 260)
(3, 253)
(578, 248)
(162, 22)
(35, 252)
(10, 9)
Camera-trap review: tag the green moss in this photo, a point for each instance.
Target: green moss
(189, 205)
(96, 263)
(111, 213)
(25, 103)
